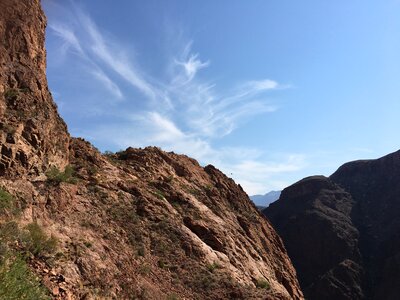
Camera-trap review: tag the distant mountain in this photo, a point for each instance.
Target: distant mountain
(265, 200)
(342, 232)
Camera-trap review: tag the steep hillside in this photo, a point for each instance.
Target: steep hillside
(138, 224)
(342, 232)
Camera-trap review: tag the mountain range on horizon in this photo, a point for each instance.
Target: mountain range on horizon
(266, 199)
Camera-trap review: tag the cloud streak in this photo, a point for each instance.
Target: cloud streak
(180, 113)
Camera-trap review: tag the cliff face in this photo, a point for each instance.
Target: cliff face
(342, 232)
(33, 136)
(313, 218)
(374, 185)
(139, 224)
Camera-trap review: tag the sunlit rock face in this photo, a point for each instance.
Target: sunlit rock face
(32, 135)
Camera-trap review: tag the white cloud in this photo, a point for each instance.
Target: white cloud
(191, 65)
(182, 113)
(109, 84)
(262, 85)
(68, 36)
(258, 175)
(112, 57)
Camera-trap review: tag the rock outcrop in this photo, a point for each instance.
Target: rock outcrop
(341, 232)
(138, 224)
(32, 135)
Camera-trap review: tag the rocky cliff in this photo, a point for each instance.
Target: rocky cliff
(342, 232)
(138, 224)
(33, 136)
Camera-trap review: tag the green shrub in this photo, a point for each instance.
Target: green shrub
(212, 267)
(159, 194)
(55, 176)
(169, 179)
(144, 269)
(88, 244)
(9, 232)
(162, 264)
(16, 279)
(6, 200)
(261, 283)
(172, 297)
(18, 282)
(37, 242)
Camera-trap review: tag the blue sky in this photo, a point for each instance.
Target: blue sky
(269, 91)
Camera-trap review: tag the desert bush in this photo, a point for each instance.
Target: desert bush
(6, 201)
(212, 267)
(18, 282)
(55, 176)
(261, 283)
(37, 242)
(172, 297)
(159, 194)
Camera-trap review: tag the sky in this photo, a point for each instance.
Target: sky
(268, 91)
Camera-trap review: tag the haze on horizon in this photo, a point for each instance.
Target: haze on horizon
(267, 91)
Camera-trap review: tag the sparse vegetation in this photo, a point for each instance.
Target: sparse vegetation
(172, 297)
(162, 264)
(11, 94)
(144, 269)
(92, 170)
(112, 157)
(55, 176)
(16, 279)
(37, 242)
(8, 129)
(193, 191)
(160, 195)
(141, 251)
(6, 201)
(25, 90)
(169, 179)
(212, 267)
(88, 244)
(18, 282)
(261, 283)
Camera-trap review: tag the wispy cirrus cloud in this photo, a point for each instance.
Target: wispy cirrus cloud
(72, 43)
(113, 57)
(190, 64)
(181, 113)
